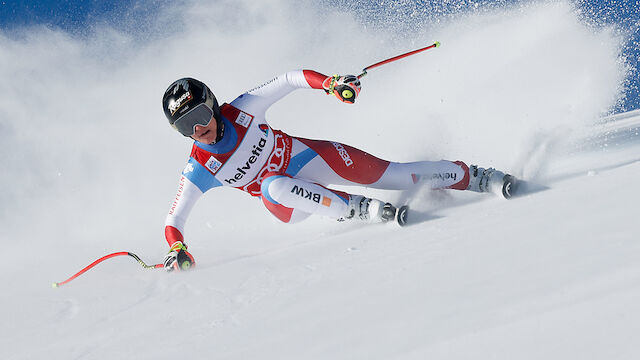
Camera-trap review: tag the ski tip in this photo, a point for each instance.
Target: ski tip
(401, 216)
(437, 44)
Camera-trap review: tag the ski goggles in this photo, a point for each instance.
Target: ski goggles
(199, 115)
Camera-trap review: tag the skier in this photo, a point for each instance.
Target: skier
(234, 146)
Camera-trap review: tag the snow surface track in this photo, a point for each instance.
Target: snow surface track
(550, 275)
(93, 167)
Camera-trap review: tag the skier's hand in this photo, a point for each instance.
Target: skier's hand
(346, 88)
(178, 258)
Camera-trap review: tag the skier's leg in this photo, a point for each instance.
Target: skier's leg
(329, 162)
(306, 164)
(448, 175)
(283, 213)
(288, 197)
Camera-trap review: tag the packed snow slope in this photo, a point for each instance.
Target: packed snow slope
(90, 167)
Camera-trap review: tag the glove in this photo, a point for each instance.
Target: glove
(345, 88)
(178, 258)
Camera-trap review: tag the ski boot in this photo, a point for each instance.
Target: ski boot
(491, 180)
(375, 211)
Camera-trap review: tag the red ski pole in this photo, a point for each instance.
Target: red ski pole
(122, 253)
(364, 71)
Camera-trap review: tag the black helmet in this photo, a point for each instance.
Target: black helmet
(189, 102)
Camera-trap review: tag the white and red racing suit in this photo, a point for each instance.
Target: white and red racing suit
(290, 174)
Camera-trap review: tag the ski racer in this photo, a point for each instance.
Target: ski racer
(235, 146)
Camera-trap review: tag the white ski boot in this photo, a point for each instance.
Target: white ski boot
(491, 180)
(374, 211)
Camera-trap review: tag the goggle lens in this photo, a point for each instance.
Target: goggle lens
(199, 115)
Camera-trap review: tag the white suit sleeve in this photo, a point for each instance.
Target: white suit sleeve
(259, 99)
(186, 197)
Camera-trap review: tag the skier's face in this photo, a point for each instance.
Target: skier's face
(206, 134)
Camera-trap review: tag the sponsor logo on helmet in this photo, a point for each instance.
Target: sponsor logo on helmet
(343, 153)
(176, 104)
(309, 195)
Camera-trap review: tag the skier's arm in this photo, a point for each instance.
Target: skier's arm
(195, 181)
(262, 97)
(186, 197)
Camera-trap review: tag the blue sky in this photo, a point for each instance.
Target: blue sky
(77, 16)
(68, 14)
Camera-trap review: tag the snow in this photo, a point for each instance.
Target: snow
(91, 168)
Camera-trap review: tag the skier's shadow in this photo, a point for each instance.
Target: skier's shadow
(416, 217)
(445, 201)
(439, 198)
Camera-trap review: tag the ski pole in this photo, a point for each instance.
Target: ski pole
(122, 253)
(364, 71)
